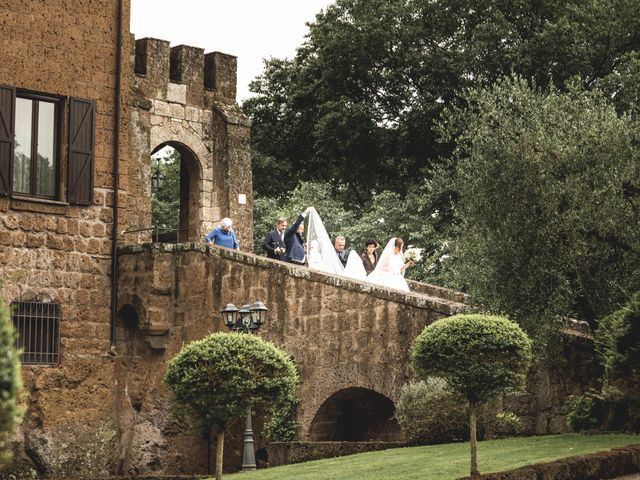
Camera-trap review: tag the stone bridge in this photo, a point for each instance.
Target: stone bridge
(350, 341)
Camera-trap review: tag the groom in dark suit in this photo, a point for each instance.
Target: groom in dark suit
(273, 243)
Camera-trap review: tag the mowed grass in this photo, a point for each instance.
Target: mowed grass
(442, 462)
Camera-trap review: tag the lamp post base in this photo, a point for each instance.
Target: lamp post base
(248, 457)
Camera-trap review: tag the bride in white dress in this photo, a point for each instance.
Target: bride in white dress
(389, 271)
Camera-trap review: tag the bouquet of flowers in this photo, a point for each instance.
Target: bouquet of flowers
(414, 254)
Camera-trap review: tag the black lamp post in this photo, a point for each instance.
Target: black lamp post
(247, 319)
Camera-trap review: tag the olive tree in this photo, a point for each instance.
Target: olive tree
(10, 381)
(214, 380)
(479, 356)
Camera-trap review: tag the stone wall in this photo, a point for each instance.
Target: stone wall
(66, 49)
(50, 248)
(597, 466)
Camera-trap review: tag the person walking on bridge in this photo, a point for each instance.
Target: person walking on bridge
(273, 242)
(223, 235)
(296, 252)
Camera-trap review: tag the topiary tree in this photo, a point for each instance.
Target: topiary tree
(214, 380)
(479, 356)
(10, 382)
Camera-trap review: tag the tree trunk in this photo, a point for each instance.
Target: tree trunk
(473, 440)
(219, 450)
(208, 450)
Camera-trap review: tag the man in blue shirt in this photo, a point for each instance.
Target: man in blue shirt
(223, 236)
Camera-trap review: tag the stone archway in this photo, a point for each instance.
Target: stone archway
(355, 415)
(188, 223)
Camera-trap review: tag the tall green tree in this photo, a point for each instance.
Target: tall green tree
(479, 357)
(10, 382)
(357, 105)
(214, 380)
(547, 202)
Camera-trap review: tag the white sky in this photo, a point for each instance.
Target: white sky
(249, 29)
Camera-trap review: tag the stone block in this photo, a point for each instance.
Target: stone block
(187, 67)
(160, 108)
(192, 114)
(176, 111)
(220, 74)
(177, 93)
(156, 120)
(11, 221)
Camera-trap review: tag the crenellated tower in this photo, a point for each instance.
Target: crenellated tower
(186, 99)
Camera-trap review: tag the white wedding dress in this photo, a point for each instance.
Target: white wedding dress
(322, 254)
(388, 272)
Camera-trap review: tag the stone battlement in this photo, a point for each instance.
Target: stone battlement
(160, 64)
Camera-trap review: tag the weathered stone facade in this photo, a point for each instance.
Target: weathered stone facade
(56, 249)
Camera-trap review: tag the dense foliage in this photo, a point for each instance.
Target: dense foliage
(479, 357)
(216, 379)
(357, 105)
(547, 202)
(523, 192)
(618, 343)
(428, 413)
(10, 382)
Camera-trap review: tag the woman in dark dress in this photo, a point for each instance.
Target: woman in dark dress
(369, 257)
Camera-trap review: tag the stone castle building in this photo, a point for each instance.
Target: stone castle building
(99, 309)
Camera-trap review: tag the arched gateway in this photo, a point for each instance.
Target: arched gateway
(355, 415)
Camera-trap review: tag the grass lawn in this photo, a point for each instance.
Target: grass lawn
(441, 462)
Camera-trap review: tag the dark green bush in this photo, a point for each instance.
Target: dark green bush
(479, 356)
(429, 413)
(607, 409)
(583, 414)
(10, 382)
(618, 345)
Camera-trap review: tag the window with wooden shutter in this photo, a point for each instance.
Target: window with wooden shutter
(7, 105)
(81, 151)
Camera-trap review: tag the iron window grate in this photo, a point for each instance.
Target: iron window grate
(38, 327)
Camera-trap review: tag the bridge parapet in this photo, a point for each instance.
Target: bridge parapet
(341, 333)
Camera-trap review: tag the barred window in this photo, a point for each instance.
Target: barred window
(37, 324)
